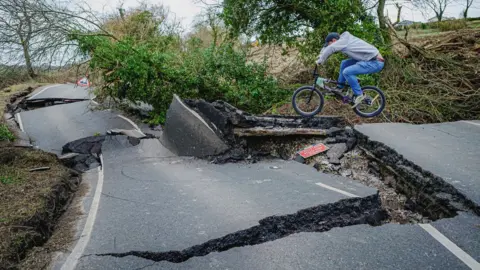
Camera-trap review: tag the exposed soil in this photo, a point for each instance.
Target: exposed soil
(31, 202)
(408, 193)
(35, 190)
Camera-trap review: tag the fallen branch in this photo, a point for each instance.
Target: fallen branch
(261, 131)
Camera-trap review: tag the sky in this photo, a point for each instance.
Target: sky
(181, 9)
(187, 9)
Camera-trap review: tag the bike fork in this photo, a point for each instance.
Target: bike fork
(311, 94)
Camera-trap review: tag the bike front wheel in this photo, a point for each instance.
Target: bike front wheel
(307, 101)
(373, 104)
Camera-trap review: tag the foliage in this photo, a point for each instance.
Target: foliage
(153, 67)
(5, 134)
(298, 23)
(449, 25)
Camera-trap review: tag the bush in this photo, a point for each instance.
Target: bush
(424, 26)
(5, 134)
(152, 74)
(449, 25)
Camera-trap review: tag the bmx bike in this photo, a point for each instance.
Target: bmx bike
(308, 100)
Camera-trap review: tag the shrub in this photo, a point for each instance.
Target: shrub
(450, 25)
(5, 134)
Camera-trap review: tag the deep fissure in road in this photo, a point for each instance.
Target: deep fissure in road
(409, 194)
(321, 218)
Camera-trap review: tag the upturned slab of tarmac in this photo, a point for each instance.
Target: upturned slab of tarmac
(188, 134)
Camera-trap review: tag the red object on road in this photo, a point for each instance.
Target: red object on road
(84, 82)
(313, 150)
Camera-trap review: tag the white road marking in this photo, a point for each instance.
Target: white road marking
(452, 247)
(442, 239)
(41, 91)
(471, 123)
(337, 190)
(20, 123)
(131, 123)
(79, 248)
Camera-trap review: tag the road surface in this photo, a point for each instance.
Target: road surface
(449, 150)
(145, 198)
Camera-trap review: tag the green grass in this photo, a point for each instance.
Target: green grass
(5, 133)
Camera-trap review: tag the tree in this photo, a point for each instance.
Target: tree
(399, 12)
(468, 4)
(382, 20)
(297, 22)
(31, 36)
(437, 6)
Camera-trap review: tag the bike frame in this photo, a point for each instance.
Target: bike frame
(345, 98)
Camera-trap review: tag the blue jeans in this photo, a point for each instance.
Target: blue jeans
(350, 68)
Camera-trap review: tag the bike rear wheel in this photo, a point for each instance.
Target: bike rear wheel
(373, 104)
(307, 101)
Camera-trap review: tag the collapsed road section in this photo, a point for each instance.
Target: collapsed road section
(257, 140)
(186, 213)
(244, 137)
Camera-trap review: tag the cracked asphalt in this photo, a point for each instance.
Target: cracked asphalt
(152, 200)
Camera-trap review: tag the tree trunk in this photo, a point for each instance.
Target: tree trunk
(465, 12)
(28, 60)
(399, 11)
(382, 21)
(439, 16)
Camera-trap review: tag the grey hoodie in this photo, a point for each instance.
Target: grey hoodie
(350, 45)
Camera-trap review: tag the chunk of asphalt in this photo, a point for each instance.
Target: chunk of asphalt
(346, 212)
(88, 145)
(80, 162)
(128, 132)
(189, 134)
(336, 152)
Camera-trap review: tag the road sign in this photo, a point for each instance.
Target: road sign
(83, 82)
(313, 150)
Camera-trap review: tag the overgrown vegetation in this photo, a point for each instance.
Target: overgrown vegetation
(145, 64)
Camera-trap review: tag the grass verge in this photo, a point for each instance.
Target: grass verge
(30, 202)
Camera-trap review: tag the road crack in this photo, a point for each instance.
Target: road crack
(321, 218)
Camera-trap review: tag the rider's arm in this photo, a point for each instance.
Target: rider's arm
(337, 46)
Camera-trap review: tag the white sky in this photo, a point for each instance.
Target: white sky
(187, 9)
(181, 9)
(413, 14)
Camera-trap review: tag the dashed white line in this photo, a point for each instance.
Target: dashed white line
(131, 123)
(20, 123)
(471, 123)
(442, 239)
(452, 247)
(41, 91)
(79, 248)
(337, 190)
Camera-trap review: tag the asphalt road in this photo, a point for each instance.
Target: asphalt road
(146, 198)
(52, 127)
(67, 91)
(156, 202)
(449, 150)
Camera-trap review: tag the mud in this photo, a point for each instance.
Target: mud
(347, 212)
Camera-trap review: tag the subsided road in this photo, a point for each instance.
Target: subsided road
(147, 204)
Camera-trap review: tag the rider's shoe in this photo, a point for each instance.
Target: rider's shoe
(357, 100)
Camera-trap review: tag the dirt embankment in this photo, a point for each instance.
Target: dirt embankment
(35, 190)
